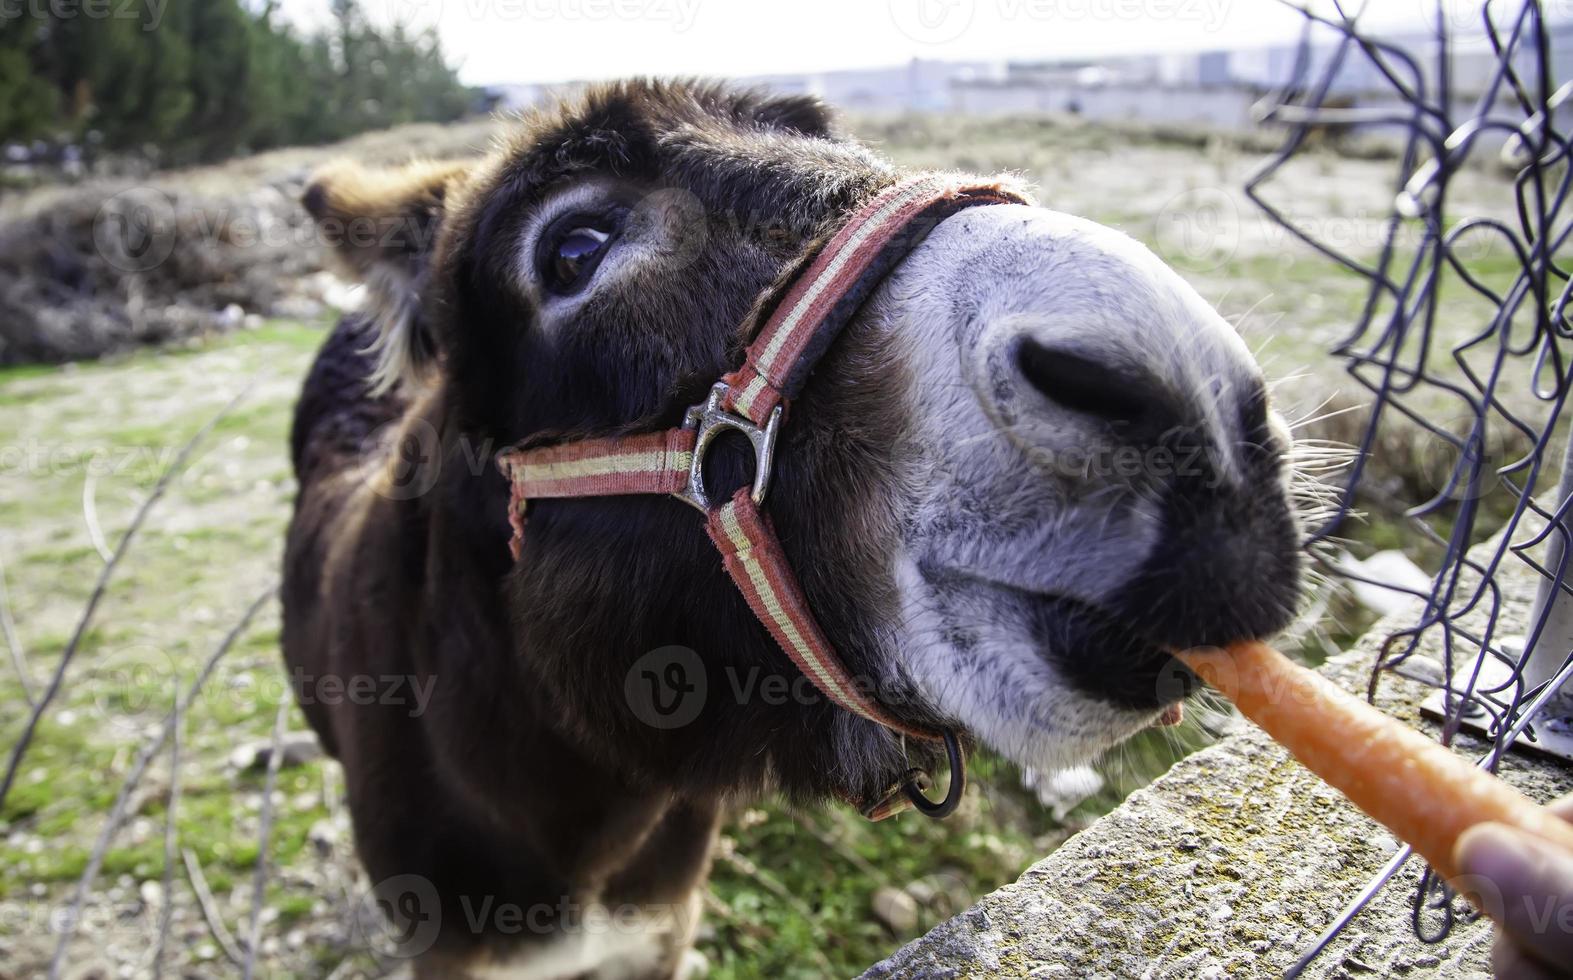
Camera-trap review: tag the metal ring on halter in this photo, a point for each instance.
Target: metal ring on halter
(958, 783)
(709, 421)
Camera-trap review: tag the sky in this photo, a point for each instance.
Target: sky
(502, 41)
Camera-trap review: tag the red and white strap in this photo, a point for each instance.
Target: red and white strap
(801, 325)
(653, 462)
(824, 297)
(753, 557)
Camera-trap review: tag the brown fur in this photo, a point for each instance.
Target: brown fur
(530, 780)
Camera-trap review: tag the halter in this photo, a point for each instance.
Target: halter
(811, 312)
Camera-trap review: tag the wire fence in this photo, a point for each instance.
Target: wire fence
(1461, 342)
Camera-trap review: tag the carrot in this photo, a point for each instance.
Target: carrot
(1415, 786)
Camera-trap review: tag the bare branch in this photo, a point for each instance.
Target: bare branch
(14, 644)
(171, 838)
(117, 813)
(176, 466)
(95, 533)
(259, 877)
(199, 884)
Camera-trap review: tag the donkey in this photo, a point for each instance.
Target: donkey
(1032, 463)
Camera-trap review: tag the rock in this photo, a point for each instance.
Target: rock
(943, 892)
(297, 308)
(1061, 791)
(1392, 567)
(298, 748)
(923, 892)
(1237, 855)
(323, 835)
(896, 909)
(695, 965)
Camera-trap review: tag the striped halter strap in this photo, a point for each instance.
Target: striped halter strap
(811, 311)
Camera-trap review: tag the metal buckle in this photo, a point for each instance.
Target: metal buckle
(711, 420)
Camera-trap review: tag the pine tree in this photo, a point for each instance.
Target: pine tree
(210, 78)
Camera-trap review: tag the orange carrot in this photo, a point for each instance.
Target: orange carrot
(1415, 786)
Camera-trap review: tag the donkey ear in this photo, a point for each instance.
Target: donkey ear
(799, 113)
(382, 225)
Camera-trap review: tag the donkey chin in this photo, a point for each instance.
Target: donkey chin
(1033, 463)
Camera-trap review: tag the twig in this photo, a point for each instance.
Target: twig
(773, 885)
(199, 884)
(117, 813)
(95, 533)
(751, 933)
(171, 837)
(165, 479)
(14, 644)
(835, 843)
(259, 876)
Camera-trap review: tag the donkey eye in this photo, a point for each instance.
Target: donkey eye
(570, 256)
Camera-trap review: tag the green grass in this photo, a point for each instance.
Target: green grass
(208, 546)
(791, 893)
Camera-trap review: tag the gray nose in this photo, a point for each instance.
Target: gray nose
(1109, 392)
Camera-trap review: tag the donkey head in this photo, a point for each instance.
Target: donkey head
(1034, 462)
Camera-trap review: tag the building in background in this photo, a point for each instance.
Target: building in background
(1217, 89)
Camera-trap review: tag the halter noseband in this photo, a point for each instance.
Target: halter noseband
(810, 314)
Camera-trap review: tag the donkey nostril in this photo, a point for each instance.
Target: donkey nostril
(1080, 384)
